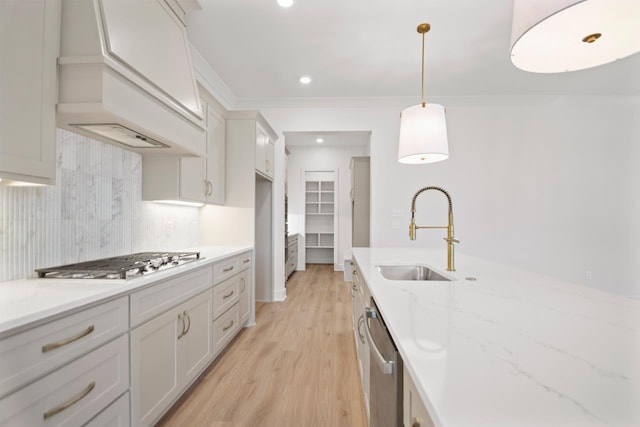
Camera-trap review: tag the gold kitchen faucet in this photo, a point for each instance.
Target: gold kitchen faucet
(449, 239)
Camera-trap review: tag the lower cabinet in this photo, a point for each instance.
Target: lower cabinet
(225, 328)
(116, 415)
(414, 412)
(73, 394)
(360, 298)
(167, 353)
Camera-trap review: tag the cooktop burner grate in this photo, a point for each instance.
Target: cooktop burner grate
(119, 267)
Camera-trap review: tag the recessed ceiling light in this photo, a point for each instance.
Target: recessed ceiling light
(285, 3)
(319, 140)
(305, 80)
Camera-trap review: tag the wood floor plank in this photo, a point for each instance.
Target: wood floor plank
(296, 367)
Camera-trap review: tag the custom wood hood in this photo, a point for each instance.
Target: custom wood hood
(125, 70)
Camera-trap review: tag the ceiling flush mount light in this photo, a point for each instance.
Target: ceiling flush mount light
(285, 3)
(305, 80)
(423, 127)
(553, 36)
(319, 140)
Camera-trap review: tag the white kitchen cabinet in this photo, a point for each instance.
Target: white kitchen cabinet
(28, 90)
(415, 414)
(190, 179)
(291, 263)
(225, 294)
(167, 353)
(117, 414)
(360, 300)
(73, 394)
(225, 328)
(265, 151)
(30, 354)
(250, 126)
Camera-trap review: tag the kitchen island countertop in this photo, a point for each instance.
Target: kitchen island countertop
(28, 302)
(511, 348)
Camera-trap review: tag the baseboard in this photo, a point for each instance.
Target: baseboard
(280, 295)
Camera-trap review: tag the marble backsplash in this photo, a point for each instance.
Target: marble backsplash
(95, 210)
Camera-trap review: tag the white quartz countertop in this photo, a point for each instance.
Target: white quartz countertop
(512, 348)
(25, 303)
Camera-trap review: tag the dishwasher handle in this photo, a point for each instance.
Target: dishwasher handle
(386, 366)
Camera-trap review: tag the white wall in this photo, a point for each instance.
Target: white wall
(547, 184)
(322, 158)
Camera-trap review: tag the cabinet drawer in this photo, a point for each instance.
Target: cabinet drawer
(163, 296)
(33, 353)
(116, 414)
(74, 394)
(224, 269)
(245, 260)
(225, 327)
(225, 294)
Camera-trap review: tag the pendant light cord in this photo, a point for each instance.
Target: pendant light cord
(422, 81)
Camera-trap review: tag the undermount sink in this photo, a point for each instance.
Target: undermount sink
(410, 272)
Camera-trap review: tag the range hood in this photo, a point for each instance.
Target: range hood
(126, 77)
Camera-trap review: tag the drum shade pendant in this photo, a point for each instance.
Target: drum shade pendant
(423, 127)
(553, 36)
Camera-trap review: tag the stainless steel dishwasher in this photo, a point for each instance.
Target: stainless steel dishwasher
(385, 373)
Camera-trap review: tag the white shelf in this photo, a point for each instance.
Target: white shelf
(319, 214)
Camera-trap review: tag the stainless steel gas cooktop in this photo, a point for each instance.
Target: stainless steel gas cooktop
(120, 267)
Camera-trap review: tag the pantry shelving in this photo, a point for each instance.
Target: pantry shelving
(319, 213)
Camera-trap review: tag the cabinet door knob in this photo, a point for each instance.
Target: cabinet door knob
(415, 422)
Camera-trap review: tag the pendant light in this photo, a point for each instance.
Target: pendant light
(423, 127)
(552, 36)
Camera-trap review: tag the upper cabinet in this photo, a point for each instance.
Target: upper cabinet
(28, 83)
(191, 179)
(249, 130)
(128, 63)
(264, 151)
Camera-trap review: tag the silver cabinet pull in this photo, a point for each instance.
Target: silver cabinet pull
(360, 322)
(246, 261)
(226, 328)
(56, 410)
(228, 295)
(189, 324)
(54, 345)
(244, 285)
(181, 319)
(386, 366)
(415, 422)
(228, 269)
(206, 187)
(210, 188)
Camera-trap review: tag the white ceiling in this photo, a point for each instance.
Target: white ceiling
(370, 48)
(333, 138)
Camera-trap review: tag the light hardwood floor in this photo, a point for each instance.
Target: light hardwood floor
(296, 367)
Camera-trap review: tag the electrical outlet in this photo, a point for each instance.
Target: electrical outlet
(395, 225)
(588, 275)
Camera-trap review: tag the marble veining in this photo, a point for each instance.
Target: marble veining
(512, 348)
(95, 210)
